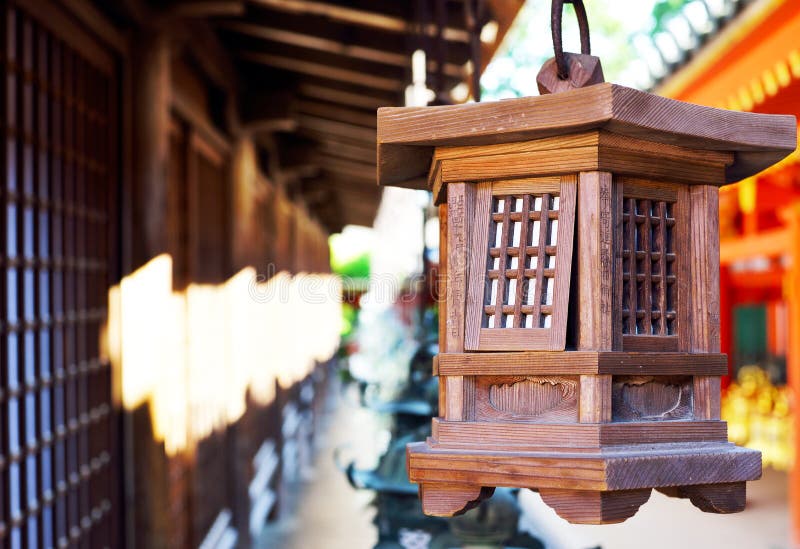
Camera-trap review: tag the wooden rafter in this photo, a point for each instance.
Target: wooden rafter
(271, 125)
(333, 95)
(358, 17)
(339, 114)
(350, 152)
(207, 8)
(347, 168)
(348, 131)
(322, 71)
(332, 46)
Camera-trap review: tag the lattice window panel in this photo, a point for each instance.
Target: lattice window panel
(649, 288)
(56, 437)
(523, 241)
(527, 234)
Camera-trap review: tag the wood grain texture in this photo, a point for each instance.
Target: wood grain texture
(532, 399)
(647, 189)
(407, 135)
(436, 185)
(597, 317)
(569, 141)
(704, 249)
(729, 497)
(574, 435)
(644, 343)
(728, 464)
(707, 397)
(651, 398)
(625, 467)
(460, 398)
(441, 281)
(627, 156)
(595, 139)
(566, 230)
(460, 205)
(523, 164)
(595, 402)
(479, 336)
(442, 304)
(478, 265)
(592, 507)
(684, 268)
(522, 185)
(582, 362)
(454, 402)
(440, 499)
(584, 70)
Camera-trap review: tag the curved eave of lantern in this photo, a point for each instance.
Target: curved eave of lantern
(408, 136)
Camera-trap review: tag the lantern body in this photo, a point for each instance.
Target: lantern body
(579, 334)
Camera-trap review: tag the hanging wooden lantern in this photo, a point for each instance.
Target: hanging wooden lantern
(579, 336)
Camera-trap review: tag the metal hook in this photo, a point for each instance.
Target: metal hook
(558, 46)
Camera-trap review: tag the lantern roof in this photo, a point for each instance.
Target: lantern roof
(407, 136)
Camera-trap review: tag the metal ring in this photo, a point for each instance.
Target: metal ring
(555, 23)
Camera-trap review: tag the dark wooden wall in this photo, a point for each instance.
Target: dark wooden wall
(120, 148)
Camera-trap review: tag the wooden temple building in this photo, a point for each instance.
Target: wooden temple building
(753, 64)
(172, 172)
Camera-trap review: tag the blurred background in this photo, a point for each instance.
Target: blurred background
(216, 330)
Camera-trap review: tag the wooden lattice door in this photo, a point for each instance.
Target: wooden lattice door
(520, 265)
(59, 121)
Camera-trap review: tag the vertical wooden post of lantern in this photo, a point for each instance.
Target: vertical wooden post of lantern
(580, 349)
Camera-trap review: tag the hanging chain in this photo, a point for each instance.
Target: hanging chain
(558, 45)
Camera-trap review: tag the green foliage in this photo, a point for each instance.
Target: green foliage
(356, 267)
(349, 320)
(529, 44)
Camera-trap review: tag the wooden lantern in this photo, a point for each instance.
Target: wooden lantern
(579, 334)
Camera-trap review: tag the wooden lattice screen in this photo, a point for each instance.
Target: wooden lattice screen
(519, 290)
(653, 234)
(58, 160)
(648, 295)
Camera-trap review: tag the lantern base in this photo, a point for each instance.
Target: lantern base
(585, 485)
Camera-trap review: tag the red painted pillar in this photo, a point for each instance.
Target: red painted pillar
(792, 293)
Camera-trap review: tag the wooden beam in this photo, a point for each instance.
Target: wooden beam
(355, 133)
(773, 243)
(270, 125)
(346, 186)
(89, 15)
(208, 8)
(357, 170)
(296, 173)
(359, 17)
(338, 96)
(323, 71)
(197, 39)
(186, 110)
(339, 114)
(362, 154)
(335, 47)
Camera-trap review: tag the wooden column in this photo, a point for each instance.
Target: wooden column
(442, 282)
(704, 324)
(460, 390)
(151, 116)
(597, 313)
